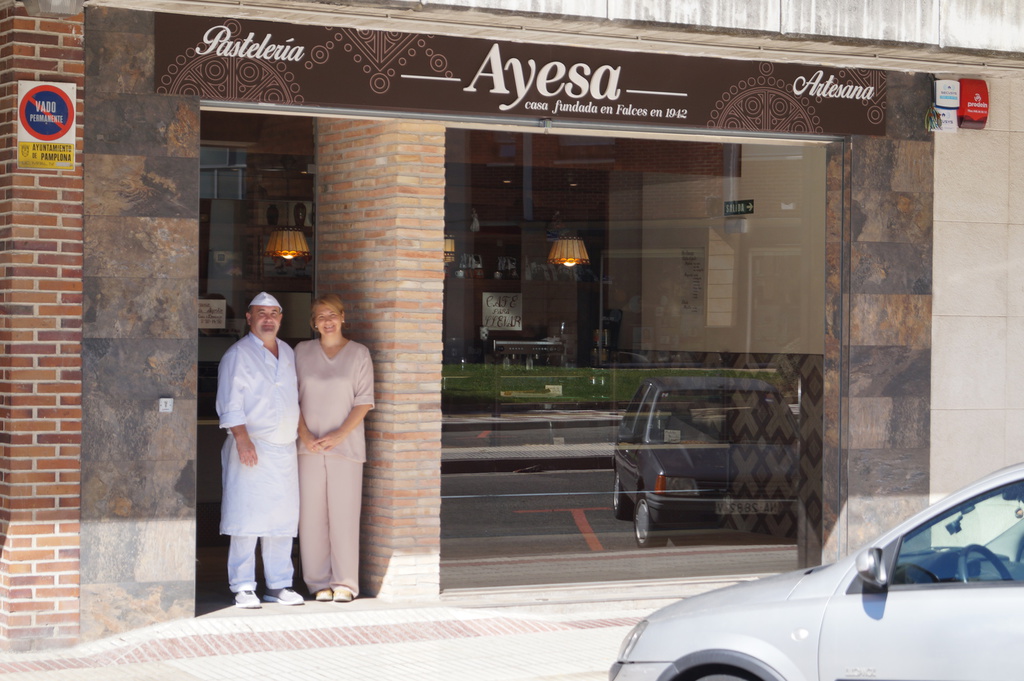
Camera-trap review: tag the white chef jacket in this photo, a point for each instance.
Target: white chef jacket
(259, 390)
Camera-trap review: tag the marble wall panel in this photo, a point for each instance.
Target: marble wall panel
(968, 281)
(891, 320)
(114, 608)
(908, 95)
(869, 516)
(871, 164)
(969, 442)
(112, 20)
(970, 364)
(140, 247)
(966, 191)
(151, 186)
(891, 268)
(141, 176)
(891, 472)
(143, 369)
(125, 550)
(139, 490)
(116, 428)
(136, 124)
(139, 308)
(892, 217)
(889, 371)
(119, 53)
(914, 169)
(878, 423)
(1015, 208)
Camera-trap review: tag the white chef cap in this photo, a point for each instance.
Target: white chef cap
(265, 298)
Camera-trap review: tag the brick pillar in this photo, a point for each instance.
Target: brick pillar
(380, 246)
(40, 346)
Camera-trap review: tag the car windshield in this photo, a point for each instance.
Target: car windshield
(720, 416)
(979, 540)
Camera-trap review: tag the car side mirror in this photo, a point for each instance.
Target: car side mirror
(625, 433)
(871, 568)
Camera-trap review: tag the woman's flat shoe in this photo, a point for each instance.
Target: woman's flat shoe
(325, 595)
(342, 595)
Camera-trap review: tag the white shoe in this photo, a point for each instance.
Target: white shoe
(342, 595)
(283, 596)
(247, 599)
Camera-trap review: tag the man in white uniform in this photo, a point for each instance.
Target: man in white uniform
(258, 403)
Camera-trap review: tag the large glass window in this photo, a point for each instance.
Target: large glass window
(652, 410)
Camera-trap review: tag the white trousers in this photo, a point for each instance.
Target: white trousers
(277, 562)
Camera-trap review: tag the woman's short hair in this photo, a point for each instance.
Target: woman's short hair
(330, 300)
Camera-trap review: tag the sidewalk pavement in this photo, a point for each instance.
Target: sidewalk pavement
(545, 633)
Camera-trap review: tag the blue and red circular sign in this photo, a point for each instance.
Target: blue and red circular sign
(47, 113)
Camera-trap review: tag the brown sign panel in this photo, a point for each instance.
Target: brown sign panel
(274, 63)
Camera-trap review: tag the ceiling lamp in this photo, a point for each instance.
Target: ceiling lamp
(569, 251)
(287, 243)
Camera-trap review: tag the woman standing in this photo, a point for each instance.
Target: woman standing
(335, 393)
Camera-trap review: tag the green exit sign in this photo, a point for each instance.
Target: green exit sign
(745, 207)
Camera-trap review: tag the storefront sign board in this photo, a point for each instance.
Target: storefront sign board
(234, 60)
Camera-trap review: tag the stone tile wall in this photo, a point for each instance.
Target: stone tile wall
(879, 313)
(40, 337)
(139, 334)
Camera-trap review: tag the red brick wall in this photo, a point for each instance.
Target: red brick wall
(380, 243)
(40, 362)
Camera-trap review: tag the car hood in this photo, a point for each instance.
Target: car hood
(768, 589)
(810, 582)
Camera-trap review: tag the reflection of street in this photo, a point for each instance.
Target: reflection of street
(503, 529)
(541, 440)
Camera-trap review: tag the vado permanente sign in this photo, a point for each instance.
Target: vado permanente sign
(273, 63)
(46, 125)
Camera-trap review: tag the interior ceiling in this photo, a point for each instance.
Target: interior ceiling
(631, 36)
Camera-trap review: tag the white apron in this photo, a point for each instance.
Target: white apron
(260, 500)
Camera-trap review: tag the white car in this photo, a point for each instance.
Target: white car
(939, 598)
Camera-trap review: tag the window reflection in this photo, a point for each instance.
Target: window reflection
(705, 264)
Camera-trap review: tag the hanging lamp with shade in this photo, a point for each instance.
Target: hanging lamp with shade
(566, 250)
(569, 251)
(288, 242)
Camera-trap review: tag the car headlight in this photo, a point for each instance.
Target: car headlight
(632, 638)
(665, 483)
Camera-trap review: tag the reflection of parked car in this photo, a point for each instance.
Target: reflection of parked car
(938, 597)
(700, 449)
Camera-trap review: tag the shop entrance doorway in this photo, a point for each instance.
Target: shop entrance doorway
(256, 184)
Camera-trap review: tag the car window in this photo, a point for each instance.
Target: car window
(981, 540)
(721, 416)
(632, 424)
